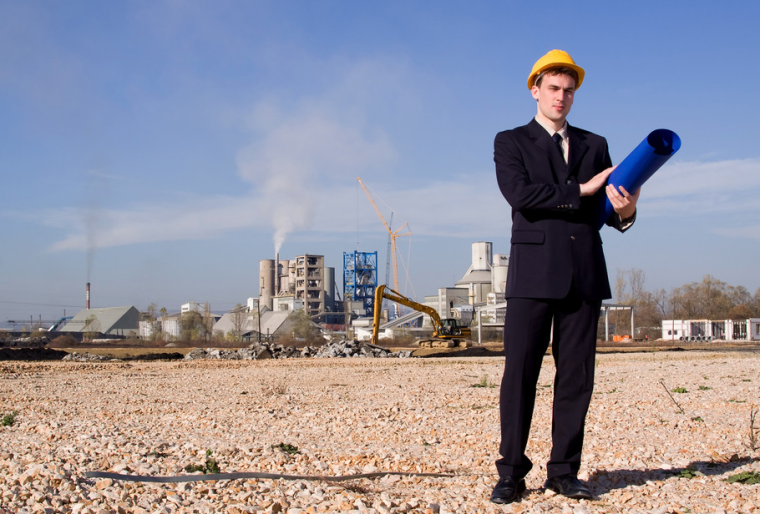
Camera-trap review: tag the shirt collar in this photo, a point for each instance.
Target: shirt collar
(562, 132)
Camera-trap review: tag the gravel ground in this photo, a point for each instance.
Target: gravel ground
(644, 451)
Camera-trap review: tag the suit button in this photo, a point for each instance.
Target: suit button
(571, 206)
(568, 181)
(572, 238)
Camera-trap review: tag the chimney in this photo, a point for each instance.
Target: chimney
(277, 274)
(87, 302)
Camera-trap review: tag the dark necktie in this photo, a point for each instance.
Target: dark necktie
(558, 141)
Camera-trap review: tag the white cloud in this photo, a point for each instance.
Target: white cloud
(750, 232)
(461, 207)
(722, 191)
(696, 188)
(464, 206)
(295, 155)
(299, 151)
(303, 177)
(690, 178)
(189, 218)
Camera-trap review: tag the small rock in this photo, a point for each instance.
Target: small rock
(102, 484)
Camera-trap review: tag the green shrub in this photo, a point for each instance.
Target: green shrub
(209, 467)
(287, 448)
(8, 419)
(746, 477)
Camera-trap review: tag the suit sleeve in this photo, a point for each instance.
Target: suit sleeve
(614, 220)
(520, 186)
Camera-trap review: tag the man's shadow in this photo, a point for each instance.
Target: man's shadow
(622, 478)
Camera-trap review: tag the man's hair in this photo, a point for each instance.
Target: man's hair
(559, 70)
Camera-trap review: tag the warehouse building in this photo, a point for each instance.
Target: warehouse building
(110, 321)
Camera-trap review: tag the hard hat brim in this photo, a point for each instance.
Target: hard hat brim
(555, 59)
(533, 76)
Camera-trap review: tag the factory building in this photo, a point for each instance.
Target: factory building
(251, 327)
(302, 281)
(113, 321)
(709, 330)
(360, 282)
(486, 277)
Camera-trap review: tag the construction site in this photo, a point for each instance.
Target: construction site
(352, 302)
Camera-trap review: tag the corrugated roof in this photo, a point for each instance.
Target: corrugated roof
(106, 320)
(476, 277)
(272, 321)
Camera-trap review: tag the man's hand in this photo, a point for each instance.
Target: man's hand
(622, 201)
(593, 185)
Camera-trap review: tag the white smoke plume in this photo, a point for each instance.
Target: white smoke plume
(96, 186)
(299, 153)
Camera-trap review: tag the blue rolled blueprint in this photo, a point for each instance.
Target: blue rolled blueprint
(641, 163)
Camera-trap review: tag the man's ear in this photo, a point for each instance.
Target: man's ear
(534, 92)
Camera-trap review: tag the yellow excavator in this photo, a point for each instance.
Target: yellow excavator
(447, 333)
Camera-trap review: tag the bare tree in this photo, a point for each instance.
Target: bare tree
(649, 308)
(207, 327)
(151, 316)
(709, 299)
(239, 317)
(191, 326)
(303, 327)
(91, 328)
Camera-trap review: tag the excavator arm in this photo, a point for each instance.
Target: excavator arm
(439, 328)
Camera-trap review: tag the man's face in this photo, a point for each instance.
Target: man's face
(555, 97)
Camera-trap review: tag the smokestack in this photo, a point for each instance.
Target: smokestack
(276, 273)
(87, 302)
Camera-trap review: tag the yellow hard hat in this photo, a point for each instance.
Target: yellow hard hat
(555, 59)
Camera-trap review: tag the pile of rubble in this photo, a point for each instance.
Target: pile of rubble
(352, 349)
(258, 351)
(86, 357)
(8, 341)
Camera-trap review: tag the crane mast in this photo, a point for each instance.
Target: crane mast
(393, 235)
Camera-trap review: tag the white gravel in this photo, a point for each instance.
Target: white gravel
(350, 416)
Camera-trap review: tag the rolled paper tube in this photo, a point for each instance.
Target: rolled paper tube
(641, 163)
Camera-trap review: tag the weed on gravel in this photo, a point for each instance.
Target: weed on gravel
(9, 419)
(210, 467)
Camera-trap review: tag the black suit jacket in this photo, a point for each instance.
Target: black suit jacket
(555, 243)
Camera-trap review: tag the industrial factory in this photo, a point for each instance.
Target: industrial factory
(304, 283)
(347, 305)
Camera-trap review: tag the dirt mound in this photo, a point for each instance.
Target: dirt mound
(477, 351)
(31, 354)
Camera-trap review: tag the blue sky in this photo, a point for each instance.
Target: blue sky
(157, 147)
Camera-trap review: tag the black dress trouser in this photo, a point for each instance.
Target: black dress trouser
(527, 329)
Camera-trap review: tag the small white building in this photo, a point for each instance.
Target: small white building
(478, 278)
(446, 303)
(191, 306)
(287, 303)
(710, 330)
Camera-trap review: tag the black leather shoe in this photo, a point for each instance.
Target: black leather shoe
(507, 490)
(568, 485)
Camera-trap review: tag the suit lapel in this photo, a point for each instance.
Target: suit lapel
(542, 139)
(578, 149)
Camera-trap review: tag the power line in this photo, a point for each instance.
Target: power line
(41, 304)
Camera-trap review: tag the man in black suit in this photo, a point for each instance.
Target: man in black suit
(552, 175)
